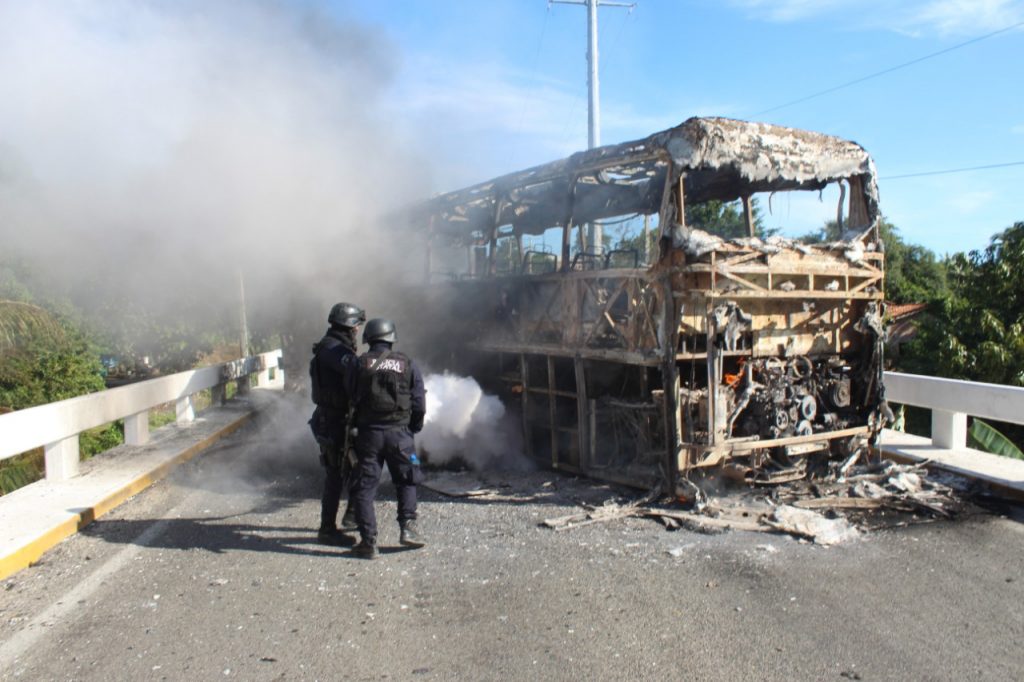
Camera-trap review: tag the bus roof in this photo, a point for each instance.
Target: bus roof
(721, 158)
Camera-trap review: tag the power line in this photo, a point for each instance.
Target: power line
(534, 81)
(890, 69)
(608, 53)
(616, 38)
(953, 170)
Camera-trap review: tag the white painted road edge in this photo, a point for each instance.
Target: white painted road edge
(58, 616)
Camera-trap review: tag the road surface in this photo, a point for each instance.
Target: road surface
(214, 574)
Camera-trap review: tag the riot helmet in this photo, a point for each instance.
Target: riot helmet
(379, 329)
(347, 315)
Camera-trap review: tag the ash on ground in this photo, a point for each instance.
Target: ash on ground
(827, 510)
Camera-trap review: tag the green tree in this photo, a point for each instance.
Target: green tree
(41, 372)
(633, 239)
(913, 273)
(726, 219)
(44, 359)
(977, 331)
(12, 288)
(43, 356)
(173, 340)
(721, 218)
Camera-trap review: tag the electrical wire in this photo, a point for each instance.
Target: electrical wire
(571, 123)
(610, 50)
(618, 34)
(534, 79)
(952, 170)
(890, 69)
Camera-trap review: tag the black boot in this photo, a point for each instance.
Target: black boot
(348, 521)
(366, 549)
(333, 536)
(410, 537)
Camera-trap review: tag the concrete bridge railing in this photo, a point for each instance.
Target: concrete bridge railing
(56, 426)
(952, 401)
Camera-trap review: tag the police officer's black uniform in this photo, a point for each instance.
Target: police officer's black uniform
(332, 374)
(390, 407)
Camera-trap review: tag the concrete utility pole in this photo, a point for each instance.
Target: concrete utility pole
(593, 89)
(243, 323)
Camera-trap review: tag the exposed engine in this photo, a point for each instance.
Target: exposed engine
(782, 397)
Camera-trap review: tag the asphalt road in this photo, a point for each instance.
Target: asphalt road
(215, 574)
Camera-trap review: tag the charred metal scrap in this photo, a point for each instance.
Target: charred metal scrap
(646, 366)
(828, 510)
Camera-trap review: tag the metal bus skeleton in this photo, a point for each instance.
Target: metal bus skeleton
(743, 353)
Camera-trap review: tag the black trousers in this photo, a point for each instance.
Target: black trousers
(336, 480)
(374, 447)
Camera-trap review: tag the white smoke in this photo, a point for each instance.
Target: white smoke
(464, 423)
(151, 150)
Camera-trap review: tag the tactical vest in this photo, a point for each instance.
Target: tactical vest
(384, 391)
(328, 390)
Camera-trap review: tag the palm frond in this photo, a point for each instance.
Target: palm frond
(20, 322)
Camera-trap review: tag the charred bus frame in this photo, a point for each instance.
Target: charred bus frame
(745, 353)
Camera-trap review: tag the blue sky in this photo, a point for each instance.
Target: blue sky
(501, 85)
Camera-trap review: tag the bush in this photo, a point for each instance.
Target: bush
(40, 369)
(19, 471)
(37, 374)
(95, 441)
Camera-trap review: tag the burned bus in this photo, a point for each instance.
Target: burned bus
(691, 350)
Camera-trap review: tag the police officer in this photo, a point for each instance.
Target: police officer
(390, 406)
(332, 373)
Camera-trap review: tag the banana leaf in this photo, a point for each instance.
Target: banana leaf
(984, 437)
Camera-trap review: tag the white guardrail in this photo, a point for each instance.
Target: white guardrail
(951, 401)
(56, 426)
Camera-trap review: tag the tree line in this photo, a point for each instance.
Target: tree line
(53, 347)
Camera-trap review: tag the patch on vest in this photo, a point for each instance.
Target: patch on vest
(390, 365)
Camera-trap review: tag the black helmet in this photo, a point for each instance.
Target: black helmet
(346, 315)
(379, 329)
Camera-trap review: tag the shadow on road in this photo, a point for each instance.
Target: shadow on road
(213, 534)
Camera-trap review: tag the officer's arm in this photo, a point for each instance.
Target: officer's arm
(350, 376)
(419, 400)
(350, 382)
(335, 360)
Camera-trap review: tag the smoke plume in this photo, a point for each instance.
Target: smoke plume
(463, 423)
(150, 151)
